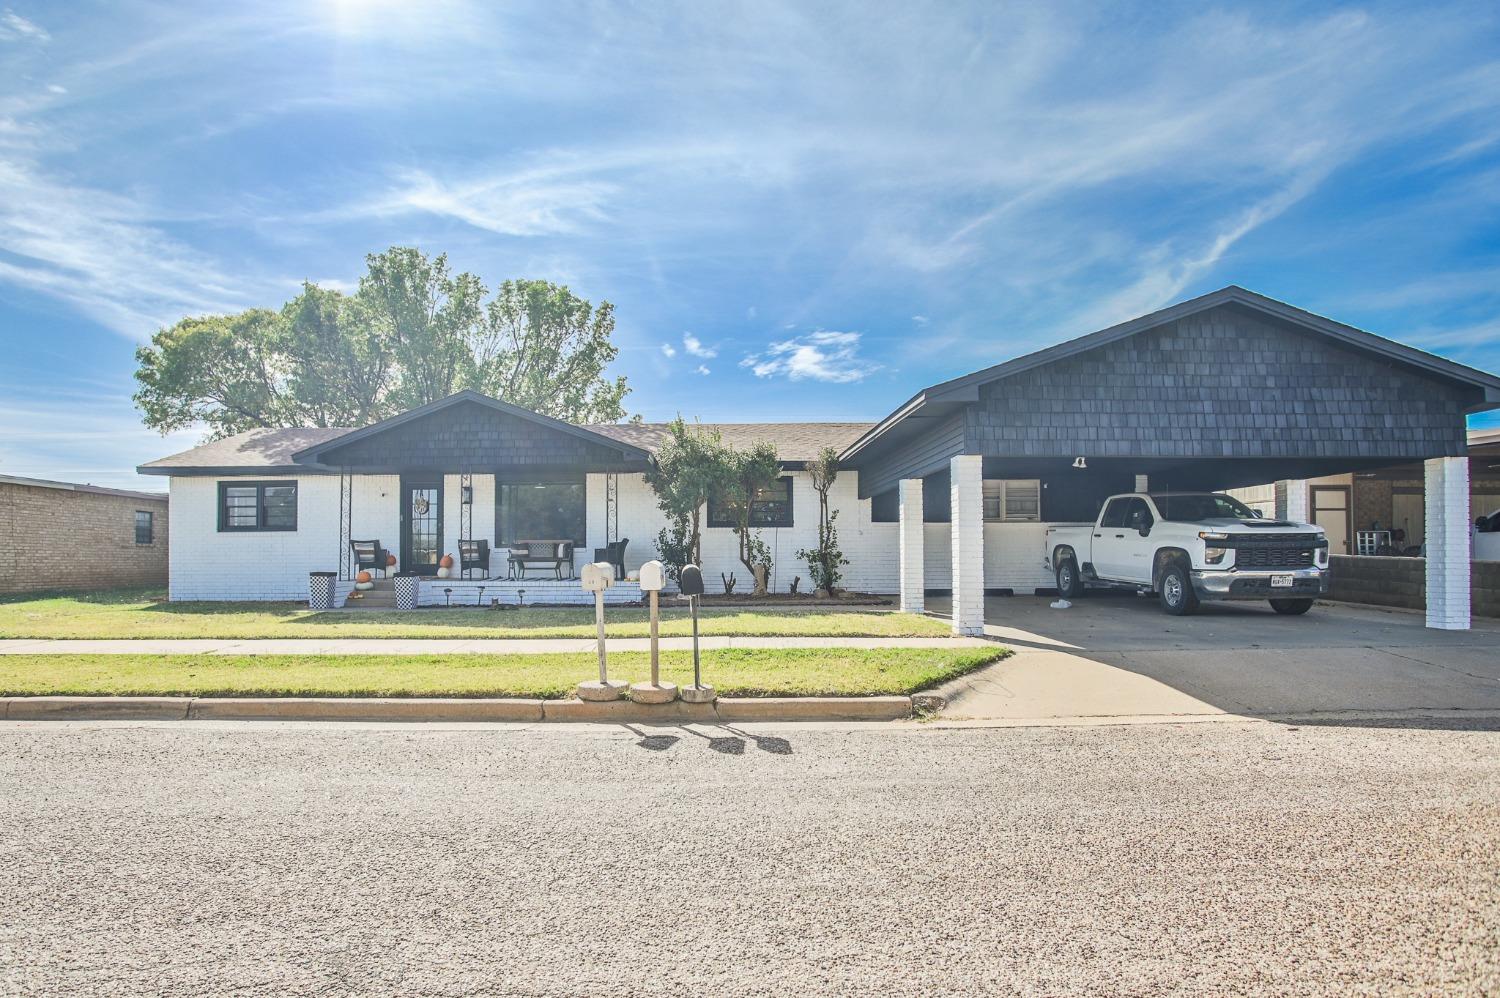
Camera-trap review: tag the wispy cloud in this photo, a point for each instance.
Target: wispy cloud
(14, 27)
(820, 356)
(526, 203)
(105, 253)
(702, 369)
(695, 346)
(668, 350)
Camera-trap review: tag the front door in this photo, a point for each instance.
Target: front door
(1331, 512)
(421, 525)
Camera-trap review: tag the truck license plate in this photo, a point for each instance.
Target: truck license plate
(1281, 582)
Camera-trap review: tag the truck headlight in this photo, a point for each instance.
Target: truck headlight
(1214, 555)
(1323, 556)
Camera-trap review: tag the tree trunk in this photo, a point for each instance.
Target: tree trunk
(761, 576)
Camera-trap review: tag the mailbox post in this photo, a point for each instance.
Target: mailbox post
(653, 578)
(597, 578)
(690, 585)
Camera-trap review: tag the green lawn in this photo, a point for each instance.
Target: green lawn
(780, 672)
(145, 614)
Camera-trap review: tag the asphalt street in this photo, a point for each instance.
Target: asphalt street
(1231, 857)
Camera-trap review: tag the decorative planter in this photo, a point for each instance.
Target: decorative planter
(406, 591)
(320, 590)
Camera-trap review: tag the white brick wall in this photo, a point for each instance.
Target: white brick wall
(967, 535)
(482, 514)
(870, 547)
(208, 565)
(913, 578)
(1448, 534)
(1296, 501)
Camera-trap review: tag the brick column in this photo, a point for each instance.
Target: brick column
(1448, 537)
(1296, 501)
(913, 580)
(967, 530)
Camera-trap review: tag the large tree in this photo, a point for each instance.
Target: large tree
(413, 333)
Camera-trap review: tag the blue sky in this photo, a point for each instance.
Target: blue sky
(801, 211)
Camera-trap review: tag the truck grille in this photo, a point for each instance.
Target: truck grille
(1273, 556)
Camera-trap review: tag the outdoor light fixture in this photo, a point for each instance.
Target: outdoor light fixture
(1079, 462)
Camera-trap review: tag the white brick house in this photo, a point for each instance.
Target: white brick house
(1223, 391)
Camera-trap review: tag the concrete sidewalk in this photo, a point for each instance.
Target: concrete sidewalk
(439, 646)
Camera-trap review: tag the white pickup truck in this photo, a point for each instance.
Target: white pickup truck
(1191, 546)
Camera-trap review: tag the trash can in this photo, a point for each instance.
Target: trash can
(406, 590)
(320, 590)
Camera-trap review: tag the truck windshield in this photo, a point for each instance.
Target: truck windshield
(1202, 507)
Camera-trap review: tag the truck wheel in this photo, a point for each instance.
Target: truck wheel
(1069, 583)
(1291, 606)
(1175, 588)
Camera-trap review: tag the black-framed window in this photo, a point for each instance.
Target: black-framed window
(541, 510)
(143, 531)
(251, 506)
(770, 507)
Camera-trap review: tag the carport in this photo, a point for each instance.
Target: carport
(1225, 390)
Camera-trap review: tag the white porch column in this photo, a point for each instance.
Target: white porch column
(912, 578)
(967, 530)
(1448, 537)
(1296, 501)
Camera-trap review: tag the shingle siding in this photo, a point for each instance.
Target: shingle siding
(1221, 383)
(470, 437)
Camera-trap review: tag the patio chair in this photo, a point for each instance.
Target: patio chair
(614, 553)
(369, 556)
(473, 554)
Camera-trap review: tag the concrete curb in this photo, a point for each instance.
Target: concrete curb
(888, 708)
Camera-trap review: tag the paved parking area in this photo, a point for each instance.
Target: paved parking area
(1232, 858)
(1118, 654)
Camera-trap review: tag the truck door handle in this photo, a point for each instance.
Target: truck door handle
(1119, 535)
(1098, 535)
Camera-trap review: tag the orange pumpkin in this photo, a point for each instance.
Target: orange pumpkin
(362, 577)
(390, 561)
(447, 561)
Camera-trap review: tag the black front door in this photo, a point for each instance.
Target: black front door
(421, 525)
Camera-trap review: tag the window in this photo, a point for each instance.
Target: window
(143, 526)
(257, 506)
(540, 511)
(1116, 513)
(770, 507)
(1013, 500)
(1206, 506)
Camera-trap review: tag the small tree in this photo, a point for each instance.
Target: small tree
(689, 468)
(750, 473)
(825, 562)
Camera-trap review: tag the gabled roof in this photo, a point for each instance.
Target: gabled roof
(310, 455)
(966, 388)
(796, 443)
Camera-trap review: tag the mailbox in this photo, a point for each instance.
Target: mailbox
(597, 576)
(653, 577)
(690, 582)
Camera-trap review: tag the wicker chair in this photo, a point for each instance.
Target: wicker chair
(370, 556)
(473, 554)
(614, 553)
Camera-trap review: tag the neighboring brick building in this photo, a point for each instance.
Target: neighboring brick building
(54, 535)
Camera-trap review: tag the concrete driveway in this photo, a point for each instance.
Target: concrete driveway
(1115, 655)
